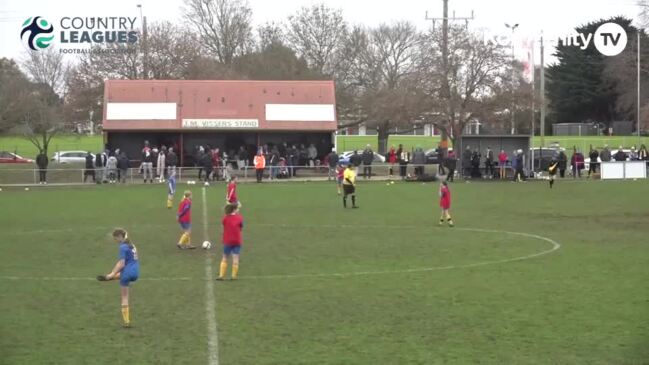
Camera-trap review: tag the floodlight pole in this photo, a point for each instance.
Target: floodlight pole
(542, 92)
(638, 92)
(513, 28)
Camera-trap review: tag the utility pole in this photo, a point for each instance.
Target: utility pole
(542, 93)
(638, 100)
(144, 44)
(446, 88)
(513, 122)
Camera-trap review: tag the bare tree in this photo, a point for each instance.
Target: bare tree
(44, 117)
(171, 50)
(224, 26)
(47, 67)
(316, 33)
(270, 34)
(475, 76)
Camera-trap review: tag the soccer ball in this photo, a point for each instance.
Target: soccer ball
(206, 184)
(207, 245)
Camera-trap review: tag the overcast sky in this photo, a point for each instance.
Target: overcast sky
(553, 17)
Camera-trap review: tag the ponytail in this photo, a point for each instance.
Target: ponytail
(120, 232)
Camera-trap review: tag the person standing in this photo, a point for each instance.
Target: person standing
(466, 162)
(355, 161)
(340, 176)
(605, 155)
(89, 168)
(419, 159)
(127, 270)
(349, 186)
(292, 155)
(332, 160)
(574, 164)
(232, 226)
(111, 168)
(368, 157)
(171, 189)
(42, 162)
(392, 160)
(273, 161)
(404, 159)
(100, 163)
(593, 155)
(445, 204)
(206, 162)
(620, 155)
(242, 159)
(563, 164)
(552, 170)
(502, 164)
(122, 167)
(198, 161)
(147, 163)
(231, 195)
(312, 154)
(185, 220)
(451, 164)
(489, 163)
(160, 166)
(172, 160)
(260, 165)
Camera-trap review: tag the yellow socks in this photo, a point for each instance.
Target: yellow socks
(223, 269)
(170, 203)
(235, 270)
(185, 239)
(126, 316)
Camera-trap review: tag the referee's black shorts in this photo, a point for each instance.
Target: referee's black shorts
(349, 189)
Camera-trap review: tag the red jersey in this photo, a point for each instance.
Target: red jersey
(231, 197)
(232, 226)
(392, 156)
(340, 173)
(444, 197)
(502, 157)
(185, 211)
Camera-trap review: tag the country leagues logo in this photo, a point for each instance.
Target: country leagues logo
(38, 30)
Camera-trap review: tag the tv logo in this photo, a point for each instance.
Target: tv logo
(610, 39)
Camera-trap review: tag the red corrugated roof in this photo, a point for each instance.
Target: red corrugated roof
(219, 99)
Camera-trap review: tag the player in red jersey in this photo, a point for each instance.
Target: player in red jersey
(185, 220)
(231, 196)
(445, 203)
(340, 174)
(232, 225)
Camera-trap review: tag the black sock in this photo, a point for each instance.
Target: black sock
(345, 202)
(551, 183)
(353, 200)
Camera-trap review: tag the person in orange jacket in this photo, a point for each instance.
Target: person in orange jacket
(260, 164)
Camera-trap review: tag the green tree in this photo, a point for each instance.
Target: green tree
(577, 88)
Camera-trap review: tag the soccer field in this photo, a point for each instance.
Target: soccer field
(529, 275)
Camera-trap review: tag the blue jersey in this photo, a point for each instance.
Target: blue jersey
(171, 184)
(128, 253)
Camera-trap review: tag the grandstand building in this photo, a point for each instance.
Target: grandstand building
(224, 114)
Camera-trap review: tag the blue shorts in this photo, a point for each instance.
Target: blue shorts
(126, 277)
(339, 180)
(229, 250)
(185, 226)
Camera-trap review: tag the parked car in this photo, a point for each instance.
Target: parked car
(10, 157)
(432, 157)
(66, 157)
(344, 157)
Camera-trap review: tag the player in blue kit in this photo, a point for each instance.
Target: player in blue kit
(127, 269)
(171, 187)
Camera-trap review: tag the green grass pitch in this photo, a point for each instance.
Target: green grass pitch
(383, 284)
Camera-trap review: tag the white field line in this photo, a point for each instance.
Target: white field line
(210, 302)
(555, 247)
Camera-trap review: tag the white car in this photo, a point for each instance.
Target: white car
(65, 157)
(344, 157)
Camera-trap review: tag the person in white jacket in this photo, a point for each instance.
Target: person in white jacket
(160, 171)
(111, 169)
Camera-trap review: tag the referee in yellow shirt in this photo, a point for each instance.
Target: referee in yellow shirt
(349, 185)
